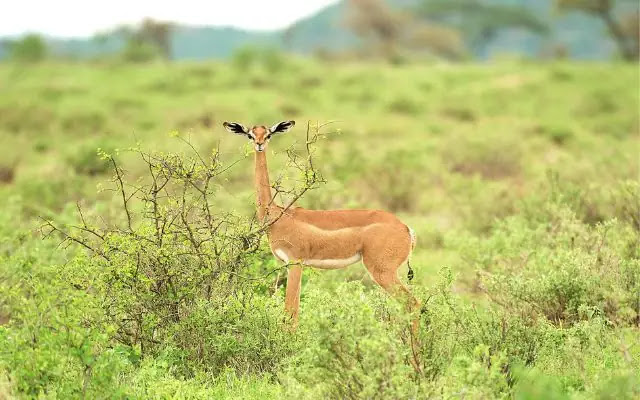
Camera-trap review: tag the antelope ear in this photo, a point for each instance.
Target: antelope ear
(282, 127)
(236, 128)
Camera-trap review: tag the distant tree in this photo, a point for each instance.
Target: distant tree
(30, 48)
(441, 40)
(388, 30)
(157, 33)
(376, 23)
(139, 51)
(288, 36)
(149, 40)
(624, 31)
(101, 38)
(631, 27)
(479, 21)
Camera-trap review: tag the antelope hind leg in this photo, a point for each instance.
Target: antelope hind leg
(292, 298)
(387, 278)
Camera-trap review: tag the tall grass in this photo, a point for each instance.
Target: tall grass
(520, 180)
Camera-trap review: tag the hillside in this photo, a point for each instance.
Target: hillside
(583, 36)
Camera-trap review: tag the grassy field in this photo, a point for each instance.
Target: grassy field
(520, 180)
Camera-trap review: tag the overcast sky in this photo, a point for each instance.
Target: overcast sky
(85, 17)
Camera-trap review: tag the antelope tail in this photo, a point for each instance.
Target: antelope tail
(412, 235)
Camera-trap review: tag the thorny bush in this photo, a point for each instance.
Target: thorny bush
(174, 270)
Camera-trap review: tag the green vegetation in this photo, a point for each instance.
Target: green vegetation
(520, 180)
(30, 48)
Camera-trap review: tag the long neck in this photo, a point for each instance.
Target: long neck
(263, 187)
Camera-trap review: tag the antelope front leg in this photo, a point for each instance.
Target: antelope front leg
(292, 299)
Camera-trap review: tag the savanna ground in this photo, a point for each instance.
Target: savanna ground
(521, 181)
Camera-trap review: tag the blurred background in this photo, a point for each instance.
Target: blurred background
(446, 112)
(362, 29)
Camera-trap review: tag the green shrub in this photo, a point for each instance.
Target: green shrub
(140, 51)
(623, 386)
(269, 58)
(394, 188)
(85, 159)
(479, 376)
(243, 58)
(459, 113)
(492, 157)
(403, 105)
(358, 346)
(478, 203)
(43, 196)
(354, 349)
(627, 204)
(545, 261)
(559, 133)
(32, 119)
(169, 253)
(85, 123)
(247, 334)
(46, 347)
(169, 277)
(168, 280)
(30, 48)
(533, 385)
(7, 173)
(154, 380)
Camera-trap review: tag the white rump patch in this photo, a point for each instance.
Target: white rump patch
(281, 255)
(412, 234)
(334, 263)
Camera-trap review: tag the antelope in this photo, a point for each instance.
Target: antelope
(327, 239)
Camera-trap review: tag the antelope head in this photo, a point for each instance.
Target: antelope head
(259, 134)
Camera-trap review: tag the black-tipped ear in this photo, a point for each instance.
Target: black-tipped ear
(236, 128)
(282, 127)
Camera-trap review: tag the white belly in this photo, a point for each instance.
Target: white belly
(328, 263)
(334, 263)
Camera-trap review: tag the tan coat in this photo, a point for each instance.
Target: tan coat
(327, 239)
